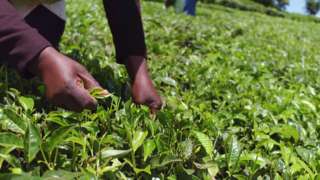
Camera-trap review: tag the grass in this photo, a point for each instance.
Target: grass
(241, 91)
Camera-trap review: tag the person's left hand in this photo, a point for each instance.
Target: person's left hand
(143, 90)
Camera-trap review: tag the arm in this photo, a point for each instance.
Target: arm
(126, 26)
(19, 43)
(25, 49)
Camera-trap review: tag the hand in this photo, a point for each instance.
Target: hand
(67, 82)
(143, 90)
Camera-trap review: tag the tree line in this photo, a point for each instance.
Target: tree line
(312, 6)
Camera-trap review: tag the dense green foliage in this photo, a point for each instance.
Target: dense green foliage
(241, 91)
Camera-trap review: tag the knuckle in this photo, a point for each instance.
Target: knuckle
(157, 104)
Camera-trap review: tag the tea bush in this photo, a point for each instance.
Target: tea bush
(241, 92)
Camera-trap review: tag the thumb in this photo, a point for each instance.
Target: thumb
(89, 83)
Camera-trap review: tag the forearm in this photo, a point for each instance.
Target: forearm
(126, 26)
(19, 43)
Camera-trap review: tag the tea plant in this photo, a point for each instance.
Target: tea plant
(241, 92)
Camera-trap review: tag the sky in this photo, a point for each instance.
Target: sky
(297, 6)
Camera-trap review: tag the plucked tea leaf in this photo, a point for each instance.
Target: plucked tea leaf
(99, 93)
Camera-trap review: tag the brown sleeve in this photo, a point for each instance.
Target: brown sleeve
(126, 26)
(19, 43)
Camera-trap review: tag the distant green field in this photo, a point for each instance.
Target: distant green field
(241, 91)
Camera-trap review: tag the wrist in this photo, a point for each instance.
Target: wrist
(136, 66)
(39, 65)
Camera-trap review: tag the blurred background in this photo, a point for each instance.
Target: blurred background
(306, 7)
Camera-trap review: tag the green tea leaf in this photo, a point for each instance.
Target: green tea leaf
(32, 142)
(57, 137)
(185, 148)
(212, 168)
(169, 81)
(234, 152)
(77, 140)
(116, 164)
(205, 142)
(278, 177)
(138, 139)
(148, 148)
(7, 176)
(26, 103)
(59, 175)
(57, 118)
(5, 151)
(167, 160)
(310, 105)
(12, 160)
(189, 171)
(10, 140)
(139, 170)
(286, 131)
(305, 154)
(111, 153)
(16, 119)
(256, 158)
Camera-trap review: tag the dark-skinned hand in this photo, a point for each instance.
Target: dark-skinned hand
(143, 90)
(67, 82)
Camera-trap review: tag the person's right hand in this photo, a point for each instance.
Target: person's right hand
(67, 82)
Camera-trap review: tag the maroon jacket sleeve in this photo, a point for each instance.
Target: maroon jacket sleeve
(126, 26)
(19, 43)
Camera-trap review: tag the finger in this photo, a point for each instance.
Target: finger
(83, 99)
(65, 101)
(155, 106)
(75, 98)
(88, 81)
(70, 103)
